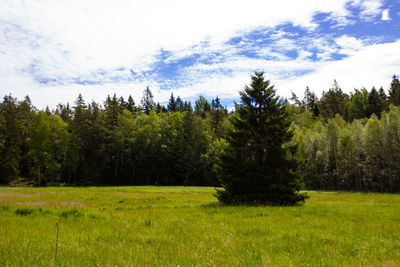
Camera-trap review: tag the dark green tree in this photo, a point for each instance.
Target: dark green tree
(130, 105)
(180, 106)
(376, 104)
(394, 91)
(257, 167)
(310, 101)
(12, 132)
(333, 102)
(64, 111)
(112, 109)
(218, 115)
(172, 104)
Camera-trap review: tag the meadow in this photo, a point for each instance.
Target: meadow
(185, 226)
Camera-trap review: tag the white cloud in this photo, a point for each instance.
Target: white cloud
(372, 65)
(349, 45)
(371, 9)
(366, 66)
(68, 40)
(385, 15)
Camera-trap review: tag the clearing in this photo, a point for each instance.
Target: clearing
(141, 226)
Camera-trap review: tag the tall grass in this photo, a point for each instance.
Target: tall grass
(141, 226)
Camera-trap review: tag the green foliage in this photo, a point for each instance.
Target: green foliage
(394, 91)
(376, 102)
(362, 155)
(148, 103)
(358, 104)
(11, 133)
(119, 143)
(257, 167)
(333, 102)
(48, 139)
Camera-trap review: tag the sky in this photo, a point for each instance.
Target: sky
(52, 50)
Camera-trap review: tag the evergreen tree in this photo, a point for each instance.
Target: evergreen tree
(64, 111)
(122, 103)
(333, 102)
(376, 104)
(48, 112)
(179, 104)
(394, 91)
(130, 105)
(201, 107)
(112, 109)
(159, 108)
(218, 114)
(172, 104)
(310, 101)
(383, 94)
(148, 103)
(12, 129)
(257, 168)
(26, 111)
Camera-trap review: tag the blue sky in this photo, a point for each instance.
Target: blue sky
(54, 50)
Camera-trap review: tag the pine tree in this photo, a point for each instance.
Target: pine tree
(256, 167)
(11, 129)
(148, 101)
(172, 104)
(159, 108)
(202, 107)
(64, 112)
(394, 91)
(333, 101)
(310, 101)
(112, 109)
(376, 104)
(218, 113)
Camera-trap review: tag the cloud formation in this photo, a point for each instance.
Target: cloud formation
(53, 50)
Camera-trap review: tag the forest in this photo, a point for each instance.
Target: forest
(344, 141)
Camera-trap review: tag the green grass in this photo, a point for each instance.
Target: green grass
(170, 226)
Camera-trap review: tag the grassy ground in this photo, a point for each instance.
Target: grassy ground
(142, 226)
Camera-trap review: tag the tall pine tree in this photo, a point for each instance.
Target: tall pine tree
(256, 167)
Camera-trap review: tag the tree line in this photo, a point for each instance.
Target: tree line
(349, 142)
(117, 143)
(345, 141)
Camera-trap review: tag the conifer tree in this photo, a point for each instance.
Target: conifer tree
(131, 105)
(180, 106)
(376, 104)
(394, 91)
(148, 101)
(310, 101)
(172, 104)
(256, 167)
(333, 101)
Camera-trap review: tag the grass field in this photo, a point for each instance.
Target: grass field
(170, 226)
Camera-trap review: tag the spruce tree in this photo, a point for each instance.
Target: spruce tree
(131, 105)
(257, 168)
(376, 104)
(394, 91)
(333, 101)
(172, 104)
(148, 101)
